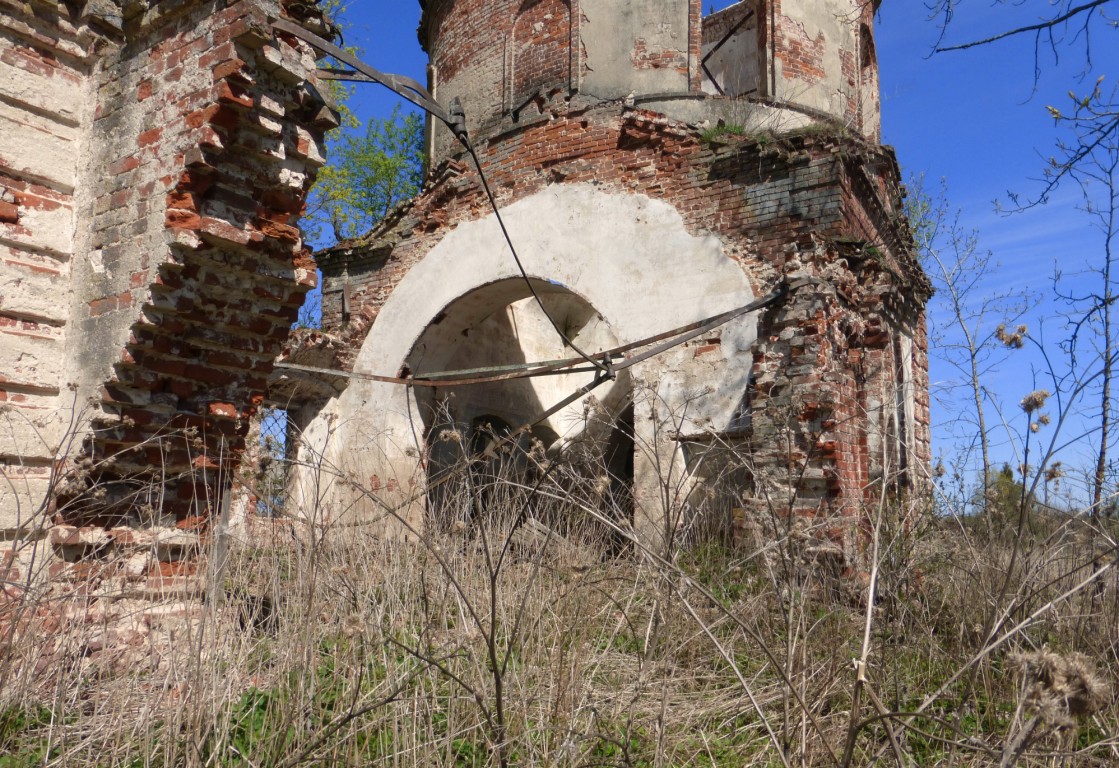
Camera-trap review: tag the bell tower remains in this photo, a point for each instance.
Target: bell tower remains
(655, 168)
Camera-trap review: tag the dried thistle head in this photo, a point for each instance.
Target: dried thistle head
(1011, 339)
(1042, 421)
(1035, 400)
(593, 408)
(1054, 472)
(798, 531)
(602, 485)
(1060, 688)
(450, 436)
(536, 451)
(353, 625)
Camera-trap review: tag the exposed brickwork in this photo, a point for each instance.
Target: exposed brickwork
(816, 57)
(646, 57)
(801, 55)
(813, 206)
(695, 45)
(226, 167)
(542, 49)
(157, 165)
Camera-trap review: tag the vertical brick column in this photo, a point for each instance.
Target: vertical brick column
(44, 59)
(204, 140)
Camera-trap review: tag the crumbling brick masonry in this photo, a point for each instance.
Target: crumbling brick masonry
(655, 168)
(154, 159)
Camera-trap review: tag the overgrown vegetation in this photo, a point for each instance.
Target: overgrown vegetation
(371, 171)
(977, 626)
(531, 627)
(723, 130)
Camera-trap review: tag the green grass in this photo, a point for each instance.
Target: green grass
(620, 662)
(722, 131)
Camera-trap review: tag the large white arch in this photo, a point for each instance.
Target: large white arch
(629, 256)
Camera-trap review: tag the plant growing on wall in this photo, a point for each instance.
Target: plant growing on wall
(370, 170)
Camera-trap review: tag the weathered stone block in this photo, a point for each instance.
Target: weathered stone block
(23, 495)
(46, 90)
(33, 432)
(29, 361)
(42, 225)
(175, 544)
(37, 148)
(30, 290)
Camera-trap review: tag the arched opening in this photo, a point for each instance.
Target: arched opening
(869, 94)
(480, 435)
(616, 267)
(868, 57)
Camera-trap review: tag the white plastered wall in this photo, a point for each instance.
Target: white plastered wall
(629, 256)
(835, 22)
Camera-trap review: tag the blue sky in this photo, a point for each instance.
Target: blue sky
(977, 119)
(974, 118)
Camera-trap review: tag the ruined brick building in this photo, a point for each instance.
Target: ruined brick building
(655, 167)
(154, 158)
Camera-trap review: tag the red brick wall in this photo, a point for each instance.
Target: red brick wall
(695, 45)
(801, 206)
(541, 49)
(204, 146)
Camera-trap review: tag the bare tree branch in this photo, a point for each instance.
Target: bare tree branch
(1039, 27)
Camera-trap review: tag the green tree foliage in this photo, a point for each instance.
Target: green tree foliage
(1004, 494)
(369, 173)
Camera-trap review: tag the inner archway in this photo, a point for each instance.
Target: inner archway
(498, 325)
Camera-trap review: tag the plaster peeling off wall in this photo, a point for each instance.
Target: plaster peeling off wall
(636, 46)
(154, 157)
(542, 50)
(816, 60)
(44, 61)
(634, 215)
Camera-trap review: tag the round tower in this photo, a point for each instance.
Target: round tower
(657, 170)
(757, 65)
